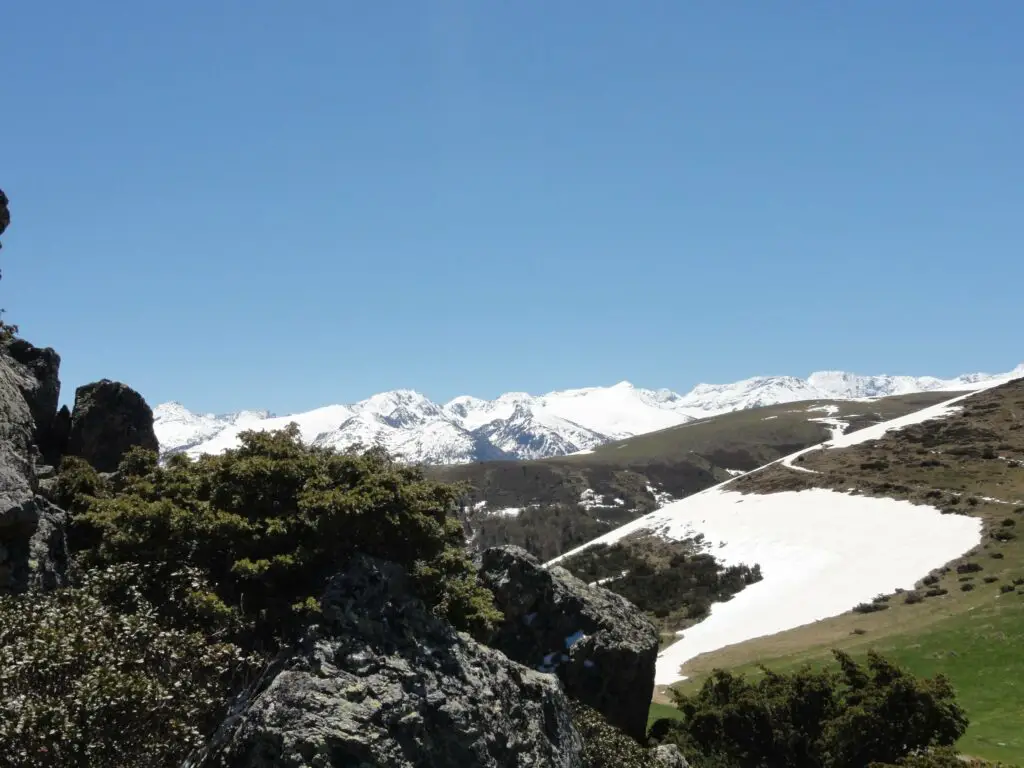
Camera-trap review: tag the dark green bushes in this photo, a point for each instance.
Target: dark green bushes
(672, 581)
(265, 525)
(849, 718)
(89, 677)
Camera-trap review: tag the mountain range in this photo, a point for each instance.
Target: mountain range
(517, 425)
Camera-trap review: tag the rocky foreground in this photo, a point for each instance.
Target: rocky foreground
(381, 680)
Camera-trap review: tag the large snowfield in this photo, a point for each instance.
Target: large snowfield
(821, 552)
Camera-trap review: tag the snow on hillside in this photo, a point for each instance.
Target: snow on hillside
(517, 425)
(820, 551)
(812, 570)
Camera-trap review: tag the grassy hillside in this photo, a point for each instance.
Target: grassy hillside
(552, 511)
(966, 619)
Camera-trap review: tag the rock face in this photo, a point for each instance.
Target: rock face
(33, 550)
(40, 386)
(107, 420)
(5, 213)
(600, 645)
(385, 683)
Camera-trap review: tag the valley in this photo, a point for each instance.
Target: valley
(550, 506)
(902, 538)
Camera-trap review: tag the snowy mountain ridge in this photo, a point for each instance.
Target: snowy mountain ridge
(517, 425)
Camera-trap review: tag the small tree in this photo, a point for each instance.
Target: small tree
(267, 523)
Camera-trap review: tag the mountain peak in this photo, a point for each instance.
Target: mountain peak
(520, 425)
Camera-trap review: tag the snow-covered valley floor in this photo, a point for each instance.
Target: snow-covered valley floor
(821, 552)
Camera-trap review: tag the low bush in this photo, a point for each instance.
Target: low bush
(869, 607)
(862, 714)
(913, 597)
(90, 677)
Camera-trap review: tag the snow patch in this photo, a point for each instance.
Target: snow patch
(821, 552)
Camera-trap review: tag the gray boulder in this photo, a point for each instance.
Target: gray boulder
(109, 418)
(32, 546)
(383, 682)
(600, 645)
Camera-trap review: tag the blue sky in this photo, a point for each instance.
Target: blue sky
(252, 203)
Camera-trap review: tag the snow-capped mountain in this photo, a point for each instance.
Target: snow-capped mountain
(513, 426)
(517, 425)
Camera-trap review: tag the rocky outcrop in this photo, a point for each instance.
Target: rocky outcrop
(5, 213)
(600, 645)
(32, 545)
(109, 418)
(383, 682)
(39, 382)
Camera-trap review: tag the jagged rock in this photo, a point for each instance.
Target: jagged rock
(32, 547)
(600, 645)
(5, 213)
(40, 386)
(384, 682)
(668, 756)
(48, 547)
(109, 418)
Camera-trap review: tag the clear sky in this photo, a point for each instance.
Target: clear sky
(254, 203)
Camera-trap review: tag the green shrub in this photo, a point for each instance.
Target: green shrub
(913, 597)
(939, 757)
(605, 746)
(870, 607)
(673, 582)
(266, 524)
(77, 485)
(90, 678)
(861, 714)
